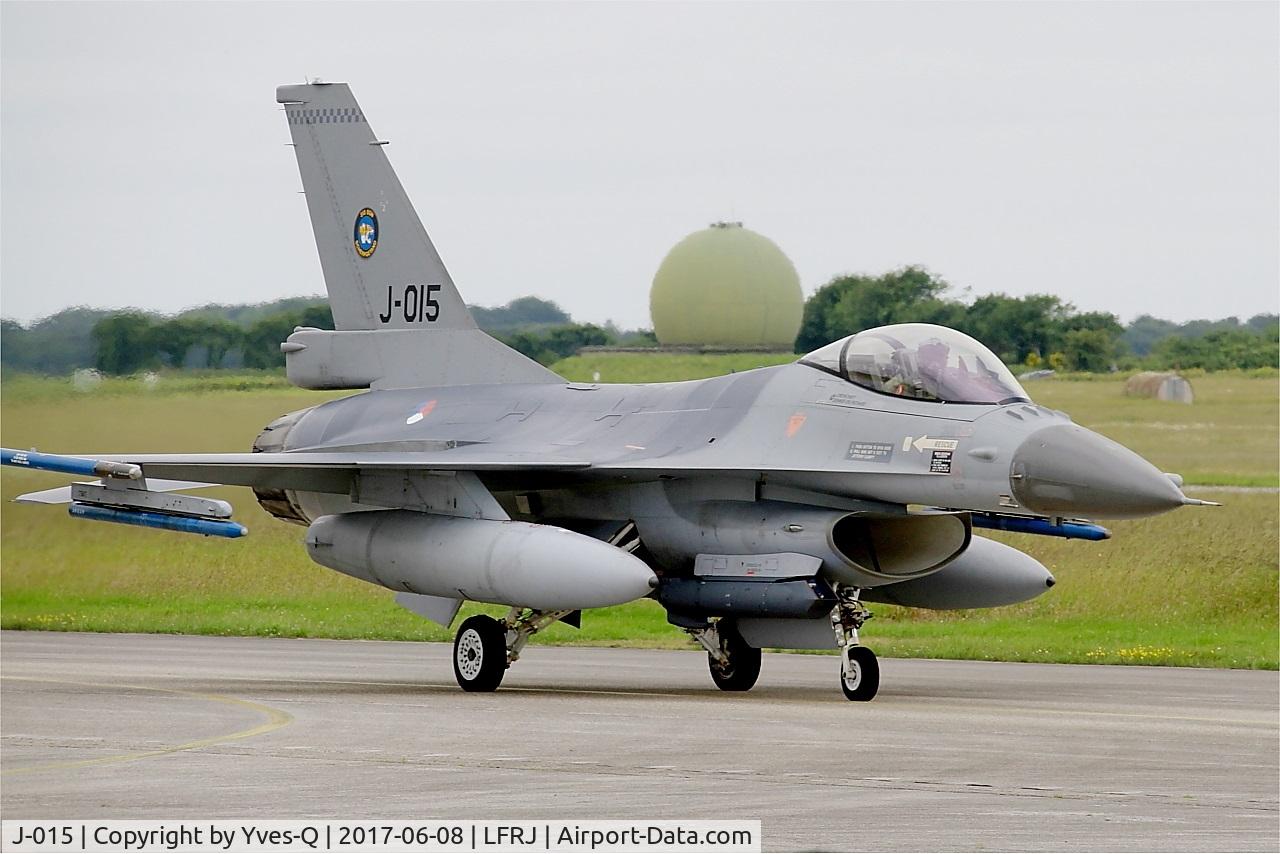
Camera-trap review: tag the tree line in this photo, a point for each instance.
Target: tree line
(1039, 330)
(217, 336)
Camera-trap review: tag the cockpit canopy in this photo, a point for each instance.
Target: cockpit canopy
(920, 361)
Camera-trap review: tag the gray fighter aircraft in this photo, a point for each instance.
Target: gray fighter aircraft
(760, 509)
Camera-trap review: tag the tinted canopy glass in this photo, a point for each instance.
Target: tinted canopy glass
(920, 361)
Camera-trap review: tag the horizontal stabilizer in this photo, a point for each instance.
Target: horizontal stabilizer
(404, 358)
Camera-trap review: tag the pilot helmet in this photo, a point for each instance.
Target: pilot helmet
(932, 353)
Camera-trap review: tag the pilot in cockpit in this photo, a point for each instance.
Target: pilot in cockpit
(931, 360)
(899, 375)
(922, 362)
(949, 381)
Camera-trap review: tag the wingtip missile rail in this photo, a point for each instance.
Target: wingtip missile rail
(69, 465)
(122, 496)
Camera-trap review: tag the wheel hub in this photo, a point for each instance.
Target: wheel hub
(852, 675)
(470, 654)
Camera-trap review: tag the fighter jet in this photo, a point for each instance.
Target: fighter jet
(761, 510)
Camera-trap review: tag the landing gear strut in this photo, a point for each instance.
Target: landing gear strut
(859, 670)
(484, 647)
(734, 664)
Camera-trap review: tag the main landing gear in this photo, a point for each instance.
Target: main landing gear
(734, 664)
(859, 670)
(484, 647)
(480, 654)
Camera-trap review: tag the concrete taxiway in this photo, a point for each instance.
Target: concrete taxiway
(953, 755)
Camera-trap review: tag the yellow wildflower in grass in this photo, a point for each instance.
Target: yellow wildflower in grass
(1136, 654)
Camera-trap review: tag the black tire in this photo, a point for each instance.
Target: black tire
(480, 654)
(744, 661)
(860, 679)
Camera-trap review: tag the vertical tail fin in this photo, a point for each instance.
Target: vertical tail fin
(373, 248)
(381, 270)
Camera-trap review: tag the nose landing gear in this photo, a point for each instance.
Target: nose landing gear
(859, 669)
(859, 673)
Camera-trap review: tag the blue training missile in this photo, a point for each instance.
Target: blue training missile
(69, 465)
(167, 521)
(1043, 527)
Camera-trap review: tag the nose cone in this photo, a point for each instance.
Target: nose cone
(1066, 470)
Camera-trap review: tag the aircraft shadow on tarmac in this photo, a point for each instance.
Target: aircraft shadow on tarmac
(790, 693)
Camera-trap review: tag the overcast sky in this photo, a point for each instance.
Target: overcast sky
(1125, 157)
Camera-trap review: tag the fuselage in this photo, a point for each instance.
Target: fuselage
(791, 427)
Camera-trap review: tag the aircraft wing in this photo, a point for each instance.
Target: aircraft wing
(322, 471)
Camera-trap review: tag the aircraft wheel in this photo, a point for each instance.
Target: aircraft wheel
(859, 673)
(480, 654)
(743, 668)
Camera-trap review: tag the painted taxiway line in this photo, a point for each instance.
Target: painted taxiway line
(276, 719)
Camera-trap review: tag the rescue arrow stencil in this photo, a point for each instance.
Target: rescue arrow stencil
(924, 443)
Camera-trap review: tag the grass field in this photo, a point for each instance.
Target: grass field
(1194, 587)
(662, 367)
(1228, 436)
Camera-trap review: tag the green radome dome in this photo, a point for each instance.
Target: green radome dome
(726, 286)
